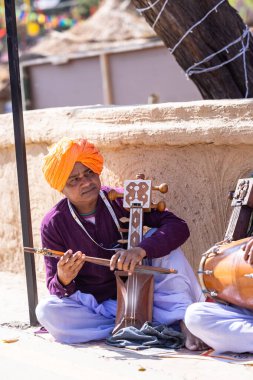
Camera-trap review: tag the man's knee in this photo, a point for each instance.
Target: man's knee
(194, 316)
(44, 310)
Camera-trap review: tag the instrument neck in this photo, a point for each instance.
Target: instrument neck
(135, 233)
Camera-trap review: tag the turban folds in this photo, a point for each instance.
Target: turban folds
(62, 156)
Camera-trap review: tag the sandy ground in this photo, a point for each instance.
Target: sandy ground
(30, 356)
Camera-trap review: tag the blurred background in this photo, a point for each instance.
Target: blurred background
(83, 52)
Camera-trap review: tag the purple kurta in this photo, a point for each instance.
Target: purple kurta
(59, 231)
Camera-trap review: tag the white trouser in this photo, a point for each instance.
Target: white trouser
(79, 318)
(222, 327)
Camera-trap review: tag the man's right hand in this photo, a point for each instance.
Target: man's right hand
(69, 266)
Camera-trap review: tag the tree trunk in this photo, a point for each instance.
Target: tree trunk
(219, 29)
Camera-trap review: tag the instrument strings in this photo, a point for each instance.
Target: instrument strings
(134, 296)
(131, 298)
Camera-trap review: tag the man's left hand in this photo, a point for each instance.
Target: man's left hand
(248, 252)
(126, 260)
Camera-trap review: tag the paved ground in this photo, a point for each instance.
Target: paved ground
(39, 357)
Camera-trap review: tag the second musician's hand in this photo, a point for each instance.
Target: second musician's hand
(248, 252)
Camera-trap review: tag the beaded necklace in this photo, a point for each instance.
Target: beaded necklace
(89, 213)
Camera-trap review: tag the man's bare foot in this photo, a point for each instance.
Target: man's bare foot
(192, 343)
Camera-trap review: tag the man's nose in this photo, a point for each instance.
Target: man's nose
(85, 180)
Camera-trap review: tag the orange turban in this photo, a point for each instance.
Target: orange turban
(59, 162)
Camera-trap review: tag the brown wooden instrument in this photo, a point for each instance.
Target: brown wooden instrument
(226, 276)
(135, 292)
(223, 273)
(242, 203)
(98, 261)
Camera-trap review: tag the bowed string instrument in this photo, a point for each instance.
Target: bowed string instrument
(135, 291)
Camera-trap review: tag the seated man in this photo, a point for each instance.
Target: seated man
(82, 305)
(223, 327)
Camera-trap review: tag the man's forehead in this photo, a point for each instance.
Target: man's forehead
(78, 168)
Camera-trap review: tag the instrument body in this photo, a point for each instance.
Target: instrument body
(134, 299)
(226, 276)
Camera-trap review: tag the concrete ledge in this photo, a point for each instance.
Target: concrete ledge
(200, 122)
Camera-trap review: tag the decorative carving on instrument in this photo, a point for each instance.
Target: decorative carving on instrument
(137, 197)
(241, 192)
(135, 292)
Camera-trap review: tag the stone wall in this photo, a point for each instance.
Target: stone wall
(200, 149)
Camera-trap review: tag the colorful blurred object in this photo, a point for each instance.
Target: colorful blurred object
(46, 4)
(32, 29)
(2, 32)
(34, 21)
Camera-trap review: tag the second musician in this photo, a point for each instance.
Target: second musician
(225, 327)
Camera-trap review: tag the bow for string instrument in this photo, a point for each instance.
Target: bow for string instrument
(135, 292)
(98, 261)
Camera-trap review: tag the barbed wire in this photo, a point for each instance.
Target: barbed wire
(196, 68)
(244, 48)
(140, 10)
(159, 14)
(214, 9)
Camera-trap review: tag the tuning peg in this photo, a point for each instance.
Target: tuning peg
(163, 188)
(160, 206)
(122, 241)
(123, 229)
(124, 219)
(113, 194)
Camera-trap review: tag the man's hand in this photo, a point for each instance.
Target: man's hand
(126, 260)
(248, 255)
(69, 265)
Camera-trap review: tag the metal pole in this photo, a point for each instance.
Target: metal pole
(17, 112)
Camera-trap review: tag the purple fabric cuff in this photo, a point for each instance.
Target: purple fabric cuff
(64, 291)
(149, 248)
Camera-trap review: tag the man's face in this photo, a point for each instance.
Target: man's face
(82, 187)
